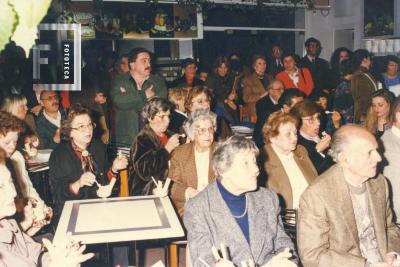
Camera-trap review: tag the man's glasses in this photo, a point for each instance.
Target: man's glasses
(203, 131)
(53, 97)
(312, 119)
(84, 127)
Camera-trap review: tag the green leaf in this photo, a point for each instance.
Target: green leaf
(8, 19)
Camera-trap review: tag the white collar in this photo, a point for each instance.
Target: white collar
(56, 121)
(315, 139)
(180, 112)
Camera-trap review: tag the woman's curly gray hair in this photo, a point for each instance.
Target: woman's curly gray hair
(223, 156)
(195, 118)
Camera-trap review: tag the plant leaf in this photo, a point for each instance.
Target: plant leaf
(8, 19)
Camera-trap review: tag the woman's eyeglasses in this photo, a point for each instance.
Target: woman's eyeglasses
(84, 127)
(203, 131)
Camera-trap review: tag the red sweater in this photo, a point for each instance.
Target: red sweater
(305, 84)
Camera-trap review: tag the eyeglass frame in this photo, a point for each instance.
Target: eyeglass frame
(313, 118)
(202, 131)
(83, 127)
(54, 97)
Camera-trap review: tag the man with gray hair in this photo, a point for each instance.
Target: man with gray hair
(232, 211)
(345, 217)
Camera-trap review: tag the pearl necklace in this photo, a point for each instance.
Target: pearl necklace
(244, 212)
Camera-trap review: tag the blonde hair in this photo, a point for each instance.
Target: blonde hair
(11, 103)
(177, 93)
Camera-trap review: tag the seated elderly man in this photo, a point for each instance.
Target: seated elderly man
(232, 211)
(345, 217)
(190, 167)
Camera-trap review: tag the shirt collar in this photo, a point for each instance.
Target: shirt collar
(315, 139)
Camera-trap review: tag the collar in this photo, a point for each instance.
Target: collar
(315, 139)
(180, 112)
(273, 101)
(56, 122)
(132, 79)
(311, 58)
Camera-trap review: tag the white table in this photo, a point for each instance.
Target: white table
(119, 219)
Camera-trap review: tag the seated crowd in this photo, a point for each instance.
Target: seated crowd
(316, 184)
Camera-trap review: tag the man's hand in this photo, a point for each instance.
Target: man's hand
(324, 143)
(149, 92)
(36, 109)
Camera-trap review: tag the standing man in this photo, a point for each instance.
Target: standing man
(49, 119)
(345, 217)
(130, 92)
(276, 64)
(318, 67)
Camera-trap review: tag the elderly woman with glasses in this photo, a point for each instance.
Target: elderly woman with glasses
(150, 151)
(199, 97)
(287, 164)
(232, 211)
(80, 162)
(308, 113)
(190, 167)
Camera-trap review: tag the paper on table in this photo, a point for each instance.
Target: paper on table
(117, 215)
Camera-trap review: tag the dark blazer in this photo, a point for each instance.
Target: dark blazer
(326, 227)
(321, 164)
(278, 180)
(46, 130)
(66, 168)
(264, 108)
(319, 71)
(176, 121)
(209, 222)
(148, 158)
(274, 67)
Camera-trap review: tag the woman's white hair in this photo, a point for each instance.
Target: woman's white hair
(11, 103)
(195, 118)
